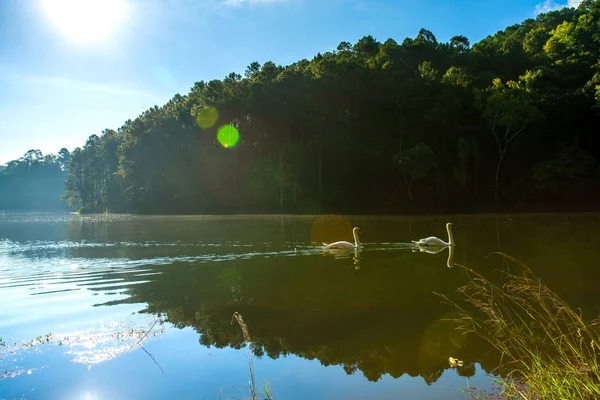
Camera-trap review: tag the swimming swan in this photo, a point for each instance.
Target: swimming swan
(434, 241)
(343, 244)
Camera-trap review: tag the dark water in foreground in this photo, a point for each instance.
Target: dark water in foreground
(351, 326)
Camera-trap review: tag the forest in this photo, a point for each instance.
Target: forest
(34, 182)
(508, 123)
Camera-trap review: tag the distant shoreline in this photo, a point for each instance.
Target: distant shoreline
(537, 209)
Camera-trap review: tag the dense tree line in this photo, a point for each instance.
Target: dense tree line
(34, 182)
(370, 127)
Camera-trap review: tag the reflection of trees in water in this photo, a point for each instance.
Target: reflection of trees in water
(382, 322)
(466, 370)
(381, 319)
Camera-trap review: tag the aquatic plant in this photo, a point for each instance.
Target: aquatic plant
(548, 350)
(247, 339)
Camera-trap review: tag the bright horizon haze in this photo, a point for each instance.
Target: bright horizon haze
(72, 68)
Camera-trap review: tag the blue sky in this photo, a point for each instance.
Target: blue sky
(67, 74)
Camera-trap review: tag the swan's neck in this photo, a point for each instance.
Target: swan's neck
(356, 241)
(450, 262)
(450, 237)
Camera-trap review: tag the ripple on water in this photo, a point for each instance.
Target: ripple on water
(68, 280)
(44, 281)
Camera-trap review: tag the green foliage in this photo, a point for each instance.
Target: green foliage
(507, 105)
(460, 44)
(427, 72)
(562, 45)
(456, 77)
(567, 172)
(415, 163)
(267, 179)
(508, 108)
(535, 40)
(467, 158)
(92, 184)
(322, 132)
(33, 182)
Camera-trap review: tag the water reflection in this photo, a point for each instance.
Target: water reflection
(433, 250)
(340, 254)
(339, 319)
(97, 343)
(378, 317)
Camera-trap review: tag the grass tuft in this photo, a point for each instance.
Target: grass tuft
(548, 351)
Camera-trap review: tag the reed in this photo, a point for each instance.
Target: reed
(548, 350)
(248, 340)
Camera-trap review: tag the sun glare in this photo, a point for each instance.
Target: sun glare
(85, 20)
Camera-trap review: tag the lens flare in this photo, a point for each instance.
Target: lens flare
(207, 117)
(228, 136)
(330, 228)
(165, 77)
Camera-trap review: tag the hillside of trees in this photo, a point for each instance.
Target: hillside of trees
(508, 123)
(34, 182)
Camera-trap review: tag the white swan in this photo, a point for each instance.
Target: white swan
(343, 244)
(434, 241)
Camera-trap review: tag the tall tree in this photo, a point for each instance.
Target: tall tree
(508, 109)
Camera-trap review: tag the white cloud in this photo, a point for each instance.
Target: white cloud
(72, 84)
(551, 5)
(66, 83)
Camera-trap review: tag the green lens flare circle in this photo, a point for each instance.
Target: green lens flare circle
(207, 117)
(228, 136)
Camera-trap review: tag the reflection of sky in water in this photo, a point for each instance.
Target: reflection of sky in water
(99, 342)
(192, 371)
(91, 277)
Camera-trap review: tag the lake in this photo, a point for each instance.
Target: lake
(124, 307)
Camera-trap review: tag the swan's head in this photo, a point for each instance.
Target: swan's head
(450, 225)
(356, 230)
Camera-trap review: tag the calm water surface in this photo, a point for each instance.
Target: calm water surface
(123, 307)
